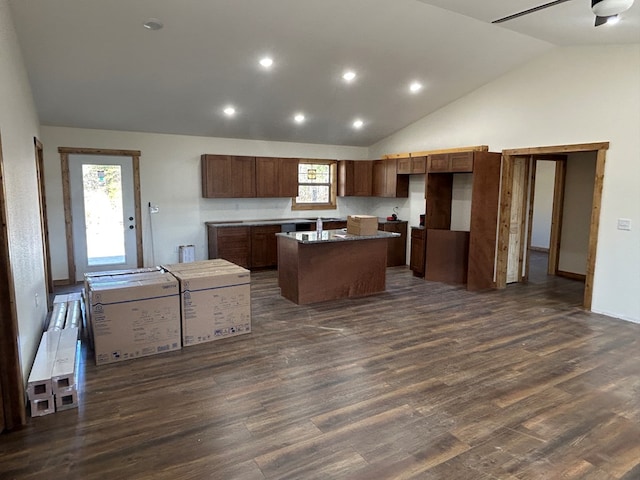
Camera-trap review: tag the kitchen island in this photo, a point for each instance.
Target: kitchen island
(336, 264)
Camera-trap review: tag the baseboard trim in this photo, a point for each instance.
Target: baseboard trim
(571, 275)
(61, 283)
(539, 249)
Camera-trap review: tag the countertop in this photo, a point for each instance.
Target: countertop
(339, 235)
(250, 223)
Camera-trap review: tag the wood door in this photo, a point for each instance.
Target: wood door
(438, 193)
(226, 176)
(231, 243)
(243, 177)
(418, 165)
(362, 178)
(517, 217)
(404, 165)
(267, 173)
(438, 162)
(396, 247)
(416, 261)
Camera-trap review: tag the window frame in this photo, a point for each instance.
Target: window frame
(333, 187)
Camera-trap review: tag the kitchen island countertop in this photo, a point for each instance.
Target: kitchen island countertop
(339, 235)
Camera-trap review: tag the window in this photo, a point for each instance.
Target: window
(316, 185)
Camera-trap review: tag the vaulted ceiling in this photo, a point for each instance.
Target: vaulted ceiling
(92, 63)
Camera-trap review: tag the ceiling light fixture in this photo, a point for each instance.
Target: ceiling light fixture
(299, 118)
(358, 124)
(229, 111)
(349, 76)
(415, 87)
(153, 24)
(266, 62)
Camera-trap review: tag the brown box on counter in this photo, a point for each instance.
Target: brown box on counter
(362, 224)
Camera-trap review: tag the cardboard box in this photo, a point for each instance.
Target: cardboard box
(215, 300)
(362, 225)
(134, 315)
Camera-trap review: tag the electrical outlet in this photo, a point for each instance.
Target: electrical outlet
(624, 224)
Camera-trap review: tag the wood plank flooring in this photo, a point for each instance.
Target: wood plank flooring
(423, 381)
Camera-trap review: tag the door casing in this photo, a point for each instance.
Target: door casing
(506, 205)
(66, 192)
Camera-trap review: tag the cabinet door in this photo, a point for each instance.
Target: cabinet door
(288, 177)
(264, 246)
(438, 163)
(461, 162)
(404, 165)
(231, 243)
(226, 176)
(416, 262)
(267, 182)
(379, 182)
(355, 178)
(396, 247)
(418, 165)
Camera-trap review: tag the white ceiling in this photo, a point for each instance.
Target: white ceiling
(92, 64)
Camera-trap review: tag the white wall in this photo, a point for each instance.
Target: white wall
(570, 95)
(170, 178)
(18, 126)
(543, 203)
(576, 213)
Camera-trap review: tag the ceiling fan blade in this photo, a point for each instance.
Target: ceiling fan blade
(531, 10)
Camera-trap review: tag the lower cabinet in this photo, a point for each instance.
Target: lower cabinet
(397, 247)
(447, 256)
(231, 243)
(416, 262)
(264, 246)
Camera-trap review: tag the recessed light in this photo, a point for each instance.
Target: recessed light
(415, 87)
(349, 75)
(299, 118)
(153, 24)
(229, 111)
(358, 124)
(266, 62)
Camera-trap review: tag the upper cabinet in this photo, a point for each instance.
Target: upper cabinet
(387, 182)
(355, 178)
(458, 162)
(276, 177)
(227, 176)
(412, 165)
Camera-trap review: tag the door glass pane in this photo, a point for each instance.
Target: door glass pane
(103, 212)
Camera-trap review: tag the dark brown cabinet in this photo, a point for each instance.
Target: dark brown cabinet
(227, 176)
(412, 165)
(231, 243)
(264, 246)
(416, 261)
(473, 251)
(396, 247)
(457, 162)
(355, 178)
(387, 182)
(333, 225)
(276, 177)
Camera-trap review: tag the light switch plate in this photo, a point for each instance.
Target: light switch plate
(624, 224)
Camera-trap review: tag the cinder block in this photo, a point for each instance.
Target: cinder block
(66, 399)
(42, 406)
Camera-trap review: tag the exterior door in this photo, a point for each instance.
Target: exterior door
(103, 212)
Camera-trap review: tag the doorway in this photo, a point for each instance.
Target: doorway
(511, 202)
(101, 191)
(42, 201)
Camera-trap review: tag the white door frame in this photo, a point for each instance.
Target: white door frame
(66, 191)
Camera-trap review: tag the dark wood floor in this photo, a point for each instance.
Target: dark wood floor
(424, 381)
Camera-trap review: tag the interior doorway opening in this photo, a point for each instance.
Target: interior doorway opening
(575, 210)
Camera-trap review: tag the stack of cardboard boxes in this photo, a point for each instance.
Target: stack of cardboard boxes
(142, 312)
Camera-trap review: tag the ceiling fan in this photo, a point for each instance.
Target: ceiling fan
(604, 10)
